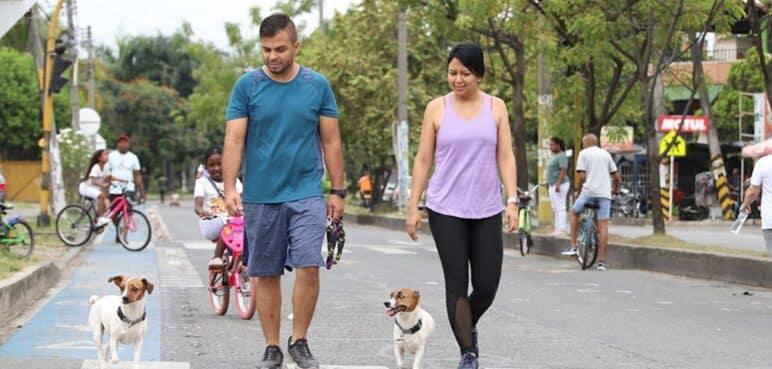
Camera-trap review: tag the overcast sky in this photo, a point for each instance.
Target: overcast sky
(109, 18)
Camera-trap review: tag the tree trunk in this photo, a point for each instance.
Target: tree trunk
(716, 159)
(652, 153)
(518, 118)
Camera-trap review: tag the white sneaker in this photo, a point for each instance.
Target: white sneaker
(102, 221)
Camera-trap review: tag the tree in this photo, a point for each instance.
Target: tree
(20, 114)
(744, 76)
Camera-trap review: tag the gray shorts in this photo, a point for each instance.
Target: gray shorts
(285, 234)
(768, 240)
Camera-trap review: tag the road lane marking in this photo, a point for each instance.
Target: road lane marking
(176, 270)
(93, 364)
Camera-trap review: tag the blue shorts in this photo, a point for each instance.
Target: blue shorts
(604, 205)
(285, 234)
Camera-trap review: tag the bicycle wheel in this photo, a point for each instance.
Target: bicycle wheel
(219, 294)
(73, 225)
(21, 240)
(245, 301)
(587, 251)
(134, 231)
(524, 250)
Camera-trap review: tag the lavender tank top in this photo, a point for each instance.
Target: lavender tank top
(465, 182)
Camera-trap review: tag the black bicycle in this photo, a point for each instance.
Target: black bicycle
(587, 245)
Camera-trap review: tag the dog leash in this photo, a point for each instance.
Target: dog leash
(336, 238)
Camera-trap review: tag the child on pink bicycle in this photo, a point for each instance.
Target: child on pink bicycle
(210, 204)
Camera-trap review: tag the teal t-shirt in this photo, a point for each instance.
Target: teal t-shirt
(554, 165)
(282, 153)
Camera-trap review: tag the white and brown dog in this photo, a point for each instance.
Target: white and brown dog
(412, 326)
(122, 317)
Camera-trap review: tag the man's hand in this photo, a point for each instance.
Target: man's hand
(413, 223)
(335, 207)
(511, 217)
(233, 203)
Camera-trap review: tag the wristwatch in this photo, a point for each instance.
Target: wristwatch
(340, 193)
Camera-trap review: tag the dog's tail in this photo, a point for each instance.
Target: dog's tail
(93, 299)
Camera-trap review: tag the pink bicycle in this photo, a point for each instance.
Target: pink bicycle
(233, 274)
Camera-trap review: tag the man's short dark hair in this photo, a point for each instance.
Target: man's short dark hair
(276, 22)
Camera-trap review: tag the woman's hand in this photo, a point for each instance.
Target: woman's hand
(510, 217)
(413, 222)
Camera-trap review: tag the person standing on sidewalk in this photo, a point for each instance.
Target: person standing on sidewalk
(557, 183)
(595, 167)
(466, 134)
(761, 183)
(284, 119)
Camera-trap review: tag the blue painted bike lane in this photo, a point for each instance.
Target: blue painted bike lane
(60, 329)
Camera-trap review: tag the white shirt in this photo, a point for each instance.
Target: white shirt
(97, 173)
(762, 177)
(597, 165)
(212, 201)
(122, 166)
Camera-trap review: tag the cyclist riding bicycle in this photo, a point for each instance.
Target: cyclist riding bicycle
(94, 186)
(124, 170)
(209, 202)
(593, 166)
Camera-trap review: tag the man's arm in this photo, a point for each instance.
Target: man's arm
(140, 183)
(750, 197)
(617, 180)
(235, 133)
(333, 159)
(581, 177)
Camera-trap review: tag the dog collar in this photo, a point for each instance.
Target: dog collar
(410, 330)
(131, 323)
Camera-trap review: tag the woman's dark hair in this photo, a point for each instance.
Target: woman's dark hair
(92, 162)
(471, 56)
(559, 142)
(216, 149)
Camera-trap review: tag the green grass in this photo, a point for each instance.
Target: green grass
(47, 247)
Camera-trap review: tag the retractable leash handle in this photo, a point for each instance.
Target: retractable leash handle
(336, 237)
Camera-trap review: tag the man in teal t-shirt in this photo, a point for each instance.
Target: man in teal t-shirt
(283, 117)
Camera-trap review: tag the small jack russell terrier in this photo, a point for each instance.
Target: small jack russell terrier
(122, 317)
(412, 326)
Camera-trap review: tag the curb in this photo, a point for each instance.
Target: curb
(24, 288)
(747, 270)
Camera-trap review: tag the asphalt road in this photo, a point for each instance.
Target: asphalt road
(547, 314)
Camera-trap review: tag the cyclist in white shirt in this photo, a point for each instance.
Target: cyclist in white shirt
(124, 170)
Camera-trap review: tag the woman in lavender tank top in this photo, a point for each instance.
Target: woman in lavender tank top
(466, 135)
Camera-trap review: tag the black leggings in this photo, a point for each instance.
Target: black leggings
(461, 243)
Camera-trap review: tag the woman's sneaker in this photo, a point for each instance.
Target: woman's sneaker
(301, 354)
(468, 361)
(569, 251)
(272, 358)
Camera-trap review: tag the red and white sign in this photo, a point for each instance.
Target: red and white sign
(692, 123)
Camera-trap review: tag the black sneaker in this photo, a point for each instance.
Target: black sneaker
(301, 354)
(474, 341)
(272, 358)
(468, 361)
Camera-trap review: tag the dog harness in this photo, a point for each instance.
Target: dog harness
(410, 330)
(131, 323)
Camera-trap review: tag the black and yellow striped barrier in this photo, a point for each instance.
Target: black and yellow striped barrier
(722, 187)
(664, 192)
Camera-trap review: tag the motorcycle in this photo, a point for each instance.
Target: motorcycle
(626, 204)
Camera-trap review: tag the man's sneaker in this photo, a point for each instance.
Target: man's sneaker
(301, 354)
(474, 341)
(272, 358)
(103, 221)
(468, 361)
(601, 265)
(569, 251)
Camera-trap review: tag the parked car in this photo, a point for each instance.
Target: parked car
(2, 186)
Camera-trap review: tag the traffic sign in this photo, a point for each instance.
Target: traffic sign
(678, 148)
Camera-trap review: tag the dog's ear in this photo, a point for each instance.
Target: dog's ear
(148, 285)
(118, 280)
(416, 294)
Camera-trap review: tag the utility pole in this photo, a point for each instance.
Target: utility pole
(545, 108)
(402, 128)
(321, 15)
(74, 95)
(90, 45)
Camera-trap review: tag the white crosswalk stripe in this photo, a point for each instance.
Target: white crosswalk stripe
(93, 364)
(176, 269)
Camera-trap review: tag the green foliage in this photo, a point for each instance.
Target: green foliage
(75, 153)
(20, 116)
(744, 76)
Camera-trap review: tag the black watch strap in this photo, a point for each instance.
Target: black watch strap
(342, 193)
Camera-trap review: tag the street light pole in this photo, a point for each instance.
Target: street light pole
(402, 128)
(48, 111)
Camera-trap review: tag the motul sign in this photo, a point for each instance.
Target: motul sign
(667, 123)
